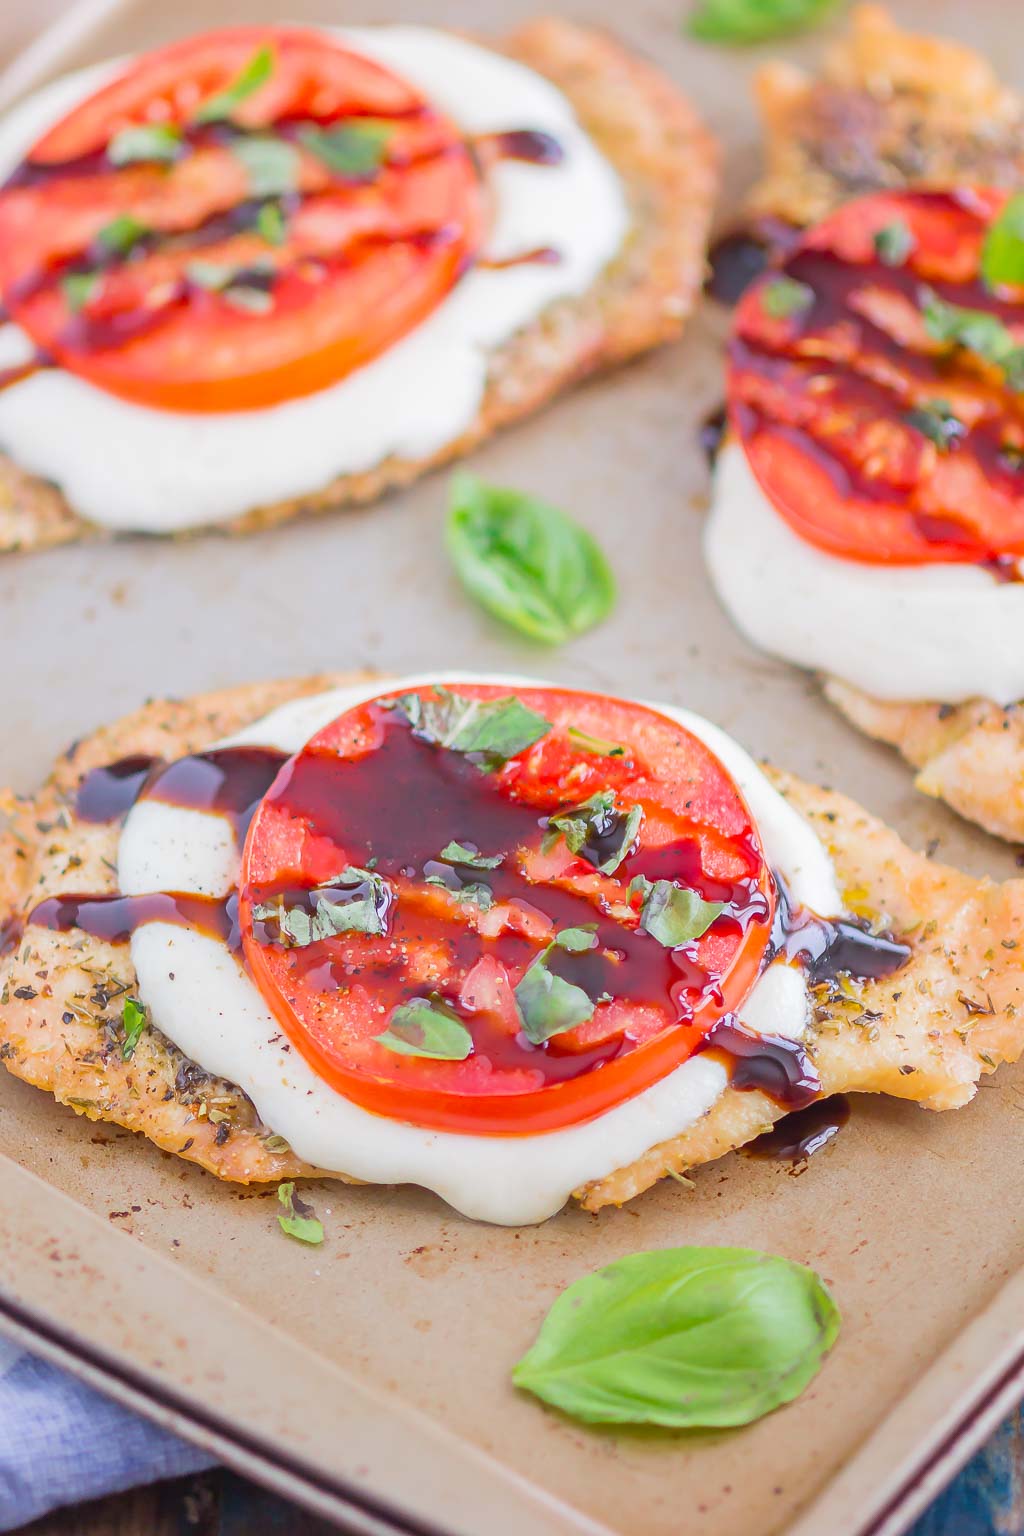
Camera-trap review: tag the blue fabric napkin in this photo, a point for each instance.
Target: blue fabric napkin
(63, 1443)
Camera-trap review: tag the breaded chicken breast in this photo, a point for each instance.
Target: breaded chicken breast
(928, 1032)
(668, 166)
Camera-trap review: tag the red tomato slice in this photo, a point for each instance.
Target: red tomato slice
(369, 793)
(838, 391)
(247, 266)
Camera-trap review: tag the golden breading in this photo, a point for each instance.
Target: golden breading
(668, 165)
(926, 1033)
(889, 109)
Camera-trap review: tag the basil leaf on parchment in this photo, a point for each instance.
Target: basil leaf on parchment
(425, 1027)
(526, 562)
(754, 21)
(683, 1337)
(298, 1219)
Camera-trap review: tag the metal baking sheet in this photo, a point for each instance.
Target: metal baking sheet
(412, 1313)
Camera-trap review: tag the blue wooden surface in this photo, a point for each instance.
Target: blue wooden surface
(987, 1499)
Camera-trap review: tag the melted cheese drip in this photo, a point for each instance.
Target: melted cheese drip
(201, 998)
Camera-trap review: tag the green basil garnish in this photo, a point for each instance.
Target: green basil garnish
(737, 22)
(271, 224)
(236, 285)
(1002, 255)
(978, 331)
(355, 151)
(493, 729)
(256, 72)
(672, 914)
(596, 830)
(782, 297)
(576, 940)
(119, 236)
(78, 288)
(936, 422)
(271, 165)
(548, 1004)
(298, 1220)
(595, 744)
(684, 1337)
(526, 562)
(135, 1020)
(458, 853)
(425, 1027)
(365, 911)
(145, 141)
(894, 243)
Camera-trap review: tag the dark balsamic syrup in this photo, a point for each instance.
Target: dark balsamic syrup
(527, 144)
(711, 434)
(541, 255)
(741, 255)
(770, 1064)
(108, 793)
(798, 1135)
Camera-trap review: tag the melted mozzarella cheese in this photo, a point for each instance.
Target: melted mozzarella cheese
(136, 468)
(945, 632)
(203, 1000)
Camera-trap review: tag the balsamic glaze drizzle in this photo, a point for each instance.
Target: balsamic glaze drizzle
(436, 795)
(797, 1136)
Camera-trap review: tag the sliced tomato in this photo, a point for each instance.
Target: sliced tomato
(120, 270)
(369, 793)
(874, 438)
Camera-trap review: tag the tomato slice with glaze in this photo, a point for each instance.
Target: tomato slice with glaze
(238, 219)
(875, 419)
(497, 915)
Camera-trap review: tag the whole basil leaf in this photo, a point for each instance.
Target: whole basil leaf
(1002, 255)
(319, 917)
(548, 1004)
(298, 1220)
(596, 830)
(754, 21)
(672, 914)
(683, 1337)
(526, 562)
(255, 72)
(493, 729)
(425, 1027)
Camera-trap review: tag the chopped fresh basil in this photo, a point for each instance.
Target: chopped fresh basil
(299, 1219)
(577, 940)
(321, 917)
(548, 1004)
(596, 830)
(682, 1337)
(894, 243)
(119, 236)
(526, 562)
(1002, 255)
(239, 286)
(135, 1020)
(784, 296)
(271, 224)
(493, 729)
(354, 150)
(672, 914)
(256, 72)
(737, 22)
(458, 853)
(271, 165)
(596, 744)
(937, 423)
(476, 894)
(978, 331)
(78, 288)
(255, 301)
(425, 1027)
(145, 141)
